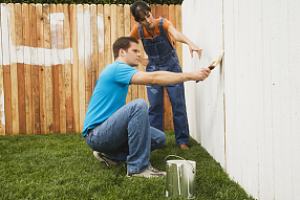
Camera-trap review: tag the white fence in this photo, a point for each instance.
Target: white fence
(247, 114)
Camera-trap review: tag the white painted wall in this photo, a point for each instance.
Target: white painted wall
(247, 113)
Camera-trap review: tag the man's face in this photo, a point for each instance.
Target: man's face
(132, 55)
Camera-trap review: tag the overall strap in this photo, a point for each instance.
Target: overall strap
(162, 31)
(161, 27)
(140, 29)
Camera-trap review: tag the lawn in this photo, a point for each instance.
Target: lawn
(62, 166)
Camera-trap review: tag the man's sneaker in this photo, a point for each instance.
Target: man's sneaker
(148, 173)
(104, 159)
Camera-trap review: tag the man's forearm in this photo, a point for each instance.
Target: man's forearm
(163, 78)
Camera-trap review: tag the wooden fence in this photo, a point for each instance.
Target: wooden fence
(51, 56)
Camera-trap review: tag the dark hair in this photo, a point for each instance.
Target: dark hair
(137, 7)
(122, 43)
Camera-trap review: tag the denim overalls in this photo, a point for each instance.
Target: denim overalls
(162, 56)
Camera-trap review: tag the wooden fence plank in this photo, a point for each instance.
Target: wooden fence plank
(27, 69)
(48, 69)
(165, 11)
(20, 68)
(55, 68)
(153, 10)
(34, 70)
(107, 37)
(41, 62)
(127, 32)
(101, 41)
(120, 21)
(61, 67)
(158, 11)
(87, 54)
(179, 28)
(134, 88)
(75, 68)
(6, 67)
(172, 18)
(14, 71)
(141, 89)
(2, 113)
(167, 105)
(81, 49)
(114, 28)
(94, 46)
(68, 71)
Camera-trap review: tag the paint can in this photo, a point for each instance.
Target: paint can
(181, 178)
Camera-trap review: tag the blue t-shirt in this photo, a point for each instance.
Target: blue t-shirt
(109, 94)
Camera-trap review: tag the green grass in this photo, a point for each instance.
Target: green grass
(62, 166)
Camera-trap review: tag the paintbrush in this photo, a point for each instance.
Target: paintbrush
(216, 62)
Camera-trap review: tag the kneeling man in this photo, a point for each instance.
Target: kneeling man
(118, 132)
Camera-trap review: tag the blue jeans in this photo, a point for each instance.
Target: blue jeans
(127, 136)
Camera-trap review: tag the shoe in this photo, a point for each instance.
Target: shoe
(184, 146)
(104, 159)
(148, 173)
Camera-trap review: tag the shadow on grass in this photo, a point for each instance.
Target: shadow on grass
(61, 166)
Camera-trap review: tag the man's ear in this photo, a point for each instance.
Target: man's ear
(121, 52)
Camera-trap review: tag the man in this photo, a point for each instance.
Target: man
(122, 132)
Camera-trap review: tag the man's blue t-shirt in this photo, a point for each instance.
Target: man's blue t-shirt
(109, 94)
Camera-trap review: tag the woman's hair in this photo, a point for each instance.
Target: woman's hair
(122, 43)
(137, 7)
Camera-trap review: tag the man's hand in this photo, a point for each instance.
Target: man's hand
(144, 61)
(193, 48)
(201, 74)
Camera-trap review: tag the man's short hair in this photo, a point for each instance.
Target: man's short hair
(122, 43)
(137, 7)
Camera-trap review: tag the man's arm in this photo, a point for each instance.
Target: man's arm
(183, 39)
(162, 78)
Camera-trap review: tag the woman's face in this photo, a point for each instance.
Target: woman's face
(146, 20)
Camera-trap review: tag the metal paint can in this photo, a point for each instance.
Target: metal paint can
(181, 178)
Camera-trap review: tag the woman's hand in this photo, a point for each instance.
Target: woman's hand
(144, 61)
(193, 48)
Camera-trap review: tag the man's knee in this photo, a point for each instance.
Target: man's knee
(141, 104)
(161, 140)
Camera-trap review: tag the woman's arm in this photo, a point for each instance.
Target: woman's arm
(182, 38)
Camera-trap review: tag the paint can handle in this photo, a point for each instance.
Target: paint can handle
(182, 159)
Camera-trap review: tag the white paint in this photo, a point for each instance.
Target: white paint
(80, 32)
(100, 26)
(88, 49)
(5, 33)
(262, 91)
(35, 52)
(56, 19)
(2, 113)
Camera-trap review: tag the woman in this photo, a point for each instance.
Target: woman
(157, 38)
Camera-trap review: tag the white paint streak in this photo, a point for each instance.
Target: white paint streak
(80, 30)
(36, 52)
(2, 113)
(20, 58)
(57, 19)
(100, 25)
(5, 34)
